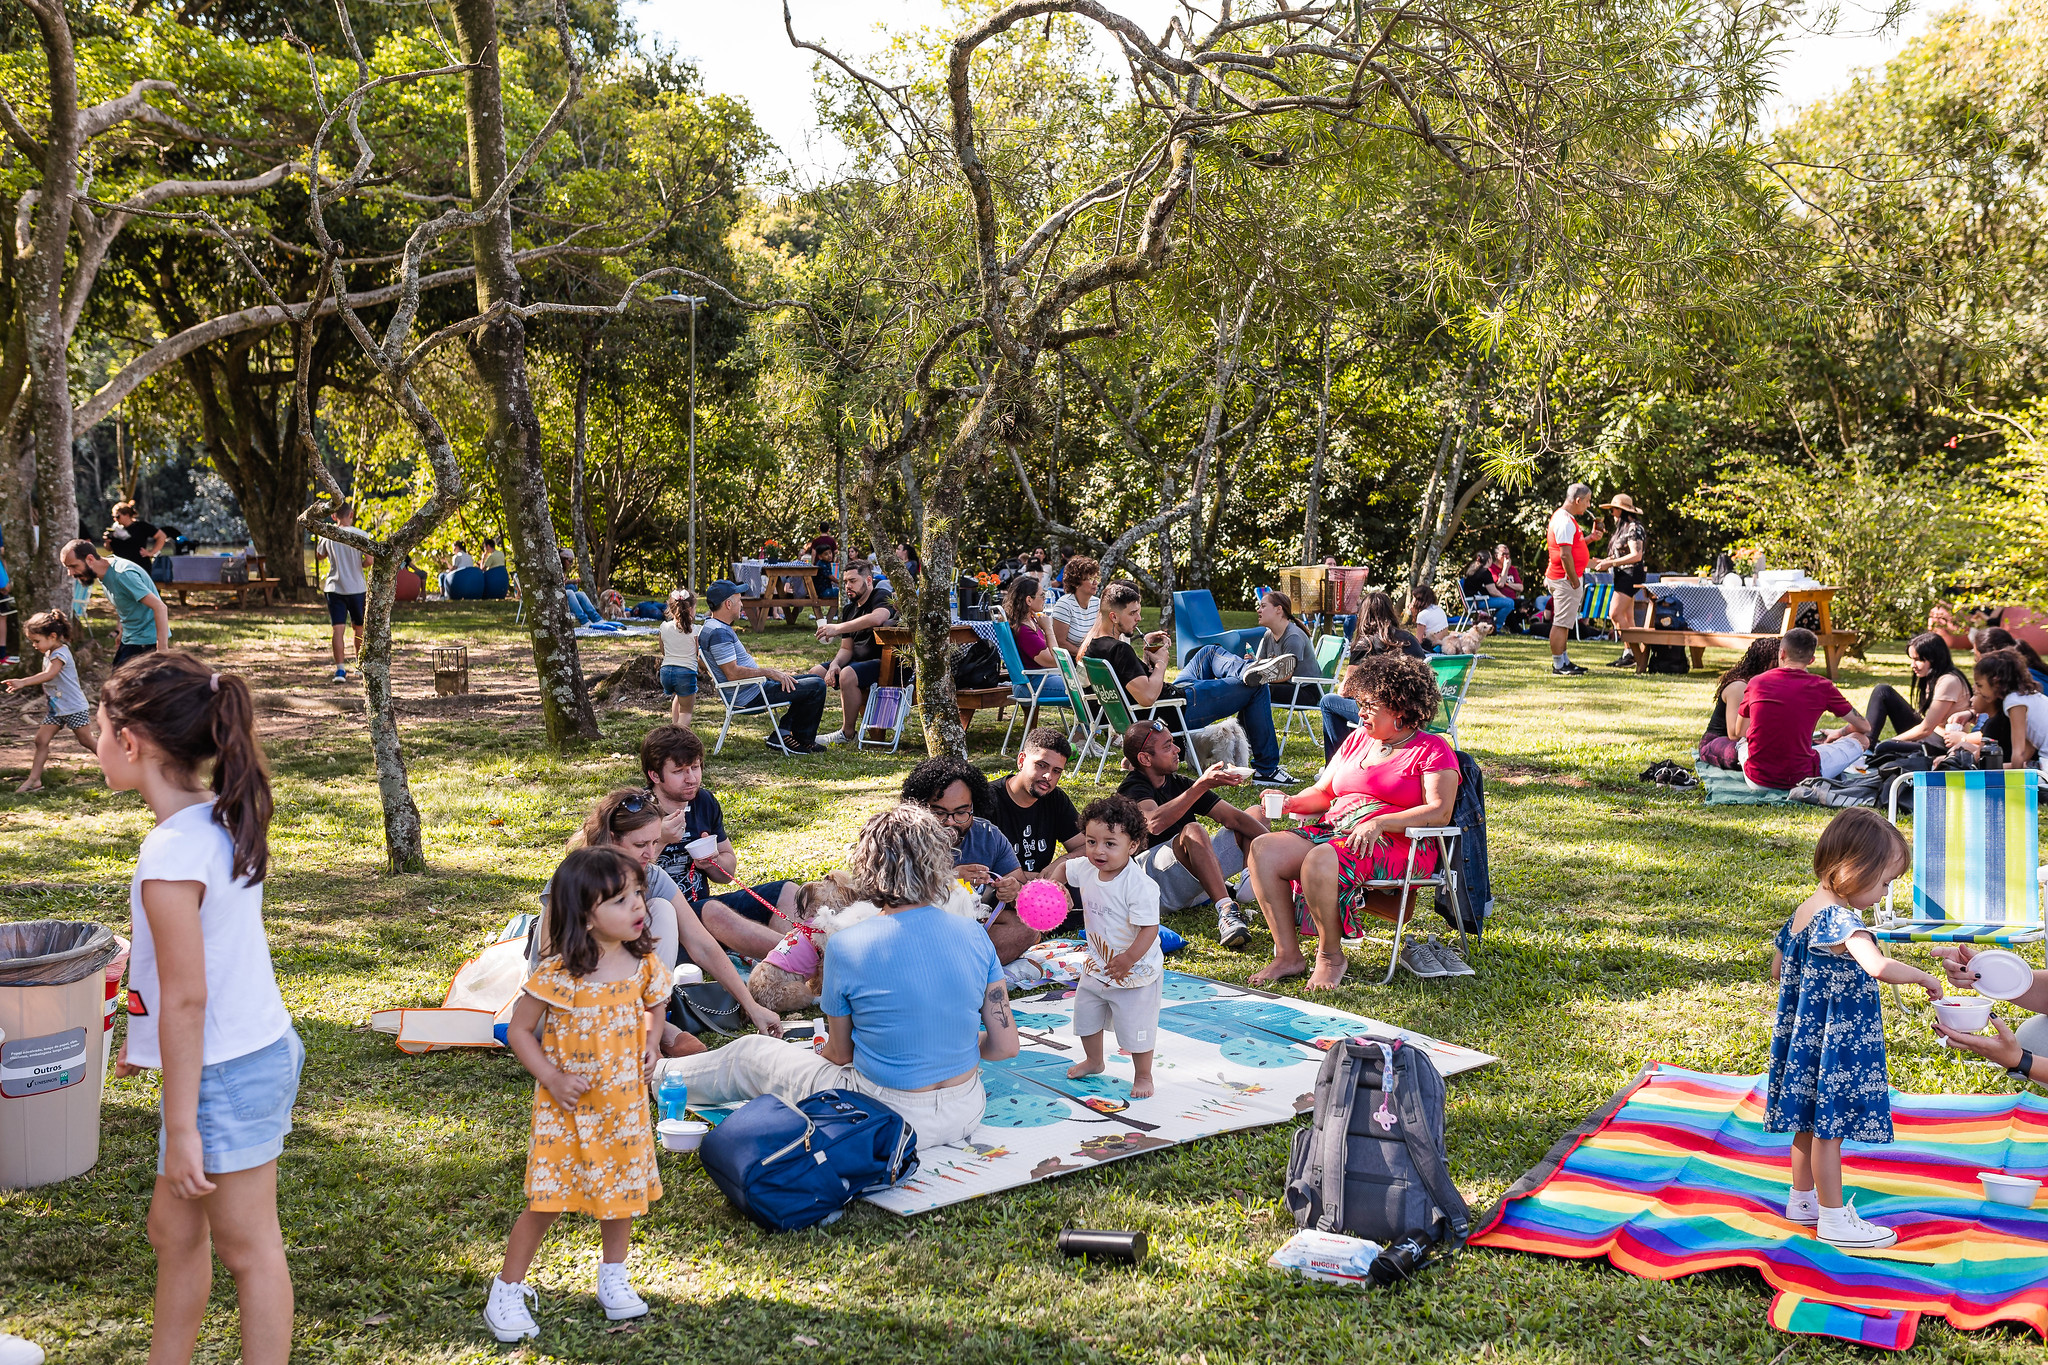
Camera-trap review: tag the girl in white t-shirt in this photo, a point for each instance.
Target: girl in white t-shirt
(679, 656)
(1430, 620)
(203, 1003)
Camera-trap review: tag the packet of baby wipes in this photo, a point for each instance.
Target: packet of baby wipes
(1327, 1256)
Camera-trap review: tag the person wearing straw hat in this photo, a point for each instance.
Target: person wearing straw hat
(1627, 547)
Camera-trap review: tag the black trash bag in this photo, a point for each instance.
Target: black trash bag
(53, 952)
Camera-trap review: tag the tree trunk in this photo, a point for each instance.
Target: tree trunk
(1426, 514)
(404, 844)
(579, 494)
(512, 438)
(1168, 492)
(933, 643)
(40, 286)
(1312, 507)
(258, 456)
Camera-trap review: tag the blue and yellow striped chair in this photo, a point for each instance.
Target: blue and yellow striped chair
(1976, 860)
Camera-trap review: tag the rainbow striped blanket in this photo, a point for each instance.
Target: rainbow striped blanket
(1676, 1175)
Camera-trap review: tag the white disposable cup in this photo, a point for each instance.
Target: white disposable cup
(681, 1135)
(688, 974)
(703, 848)
(1274, 800)
(1964, 1014)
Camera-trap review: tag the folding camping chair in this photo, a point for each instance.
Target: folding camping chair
(731, 694)
(1443, 883)
(889, 709)
(1329, 650)
(1454, 680)
(1088, 721)
(1196, 622)
(1596, 608)
(1030, 688)
(1120, 713)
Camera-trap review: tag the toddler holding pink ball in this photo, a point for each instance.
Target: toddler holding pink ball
(1120, 907)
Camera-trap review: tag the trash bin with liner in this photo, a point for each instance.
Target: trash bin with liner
(52, 1067)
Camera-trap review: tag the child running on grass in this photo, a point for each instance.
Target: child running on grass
(50, 633)
(203, 1003)
(1827, 1079)
(679, 656)
(597, 1005)
(1120, 909)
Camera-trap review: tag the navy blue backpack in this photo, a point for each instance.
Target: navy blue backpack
(788, 1168)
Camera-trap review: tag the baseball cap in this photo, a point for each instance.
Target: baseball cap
(716, 595)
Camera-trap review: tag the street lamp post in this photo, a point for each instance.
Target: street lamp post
(693, 300)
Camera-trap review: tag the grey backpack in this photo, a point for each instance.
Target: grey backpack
(1372, 1163)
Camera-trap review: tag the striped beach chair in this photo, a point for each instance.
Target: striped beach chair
(1976, 860)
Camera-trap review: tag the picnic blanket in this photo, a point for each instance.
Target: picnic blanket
(1728, 787)
(1676, 1175)
(1229, 1057)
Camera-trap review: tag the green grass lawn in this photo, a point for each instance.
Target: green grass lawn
(1631, 924)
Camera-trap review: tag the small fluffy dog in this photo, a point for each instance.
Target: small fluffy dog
(1465, 641)
(790, 978)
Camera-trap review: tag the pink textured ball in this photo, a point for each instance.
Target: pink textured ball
(1042, 905)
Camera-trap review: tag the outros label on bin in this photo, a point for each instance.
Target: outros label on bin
(36, 1066)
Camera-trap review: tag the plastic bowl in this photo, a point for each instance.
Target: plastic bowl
(1965, 1014)
(681, 1135)
(2009, 1189)
(702, 848)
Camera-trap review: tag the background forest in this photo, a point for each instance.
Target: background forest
(1365, 343)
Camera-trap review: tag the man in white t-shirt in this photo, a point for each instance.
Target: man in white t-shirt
(346, 588)
(1566, 575)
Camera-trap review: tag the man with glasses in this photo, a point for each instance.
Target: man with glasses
(751, 920)
(1192, 866)
(957, 792)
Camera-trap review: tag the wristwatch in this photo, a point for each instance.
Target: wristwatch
(2022, 1070)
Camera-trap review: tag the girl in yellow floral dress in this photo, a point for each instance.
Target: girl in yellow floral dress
(596, 1006)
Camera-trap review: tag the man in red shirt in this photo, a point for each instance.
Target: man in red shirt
(1565, 576)
(1778, 712)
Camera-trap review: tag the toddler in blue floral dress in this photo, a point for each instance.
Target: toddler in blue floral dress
(1828, 1078)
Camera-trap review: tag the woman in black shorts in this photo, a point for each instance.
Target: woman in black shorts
(1627, 554)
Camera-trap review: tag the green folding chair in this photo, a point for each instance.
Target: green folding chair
(1121, 713)
(1088, 721)
(1454, 680)
(1329, 650)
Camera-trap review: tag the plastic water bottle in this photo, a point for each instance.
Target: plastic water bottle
(674, 1096)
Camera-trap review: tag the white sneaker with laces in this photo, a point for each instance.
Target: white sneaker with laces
(1233, 926)
(615, 1293)
(1264, 672)
(1842, 1228)
(836, 737)
(506, 1313)
(1418, 959)
(1802, 1207)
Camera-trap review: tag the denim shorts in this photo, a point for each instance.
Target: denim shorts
(245, 1107)
(677, 681)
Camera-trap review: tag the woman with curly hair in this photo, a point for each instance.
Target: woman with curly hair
(2014, 708)
(1389, 776)
(957, 792)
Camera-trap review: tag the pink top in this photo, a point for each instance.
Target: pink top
(798, 952)
(1395, 782)
(1031, 643)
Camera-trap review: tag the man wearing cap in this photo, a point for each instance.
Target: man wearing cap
(1627, 554)
(1566, 577)
(718, 645)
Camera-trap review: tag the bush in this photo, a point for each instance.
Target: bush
(1893, 543)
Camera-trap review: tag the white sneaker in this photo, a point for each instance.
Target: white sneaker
(19, 1351)
(1842, 1228)
(1417, 958)
(615, 1293)
(1802, 1207)
(836, 737)
(506, 1313)
(1264, 672)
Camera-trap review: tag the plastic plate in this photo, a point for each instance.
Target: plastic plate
(2001, 975)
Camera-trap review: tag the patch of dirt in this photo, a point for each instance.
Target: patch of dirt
(1510, 775)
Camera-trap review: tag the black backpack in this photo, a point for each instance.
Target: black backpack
(1668, 613)
(977, 665)
(1669, 659)
(1372, 1163)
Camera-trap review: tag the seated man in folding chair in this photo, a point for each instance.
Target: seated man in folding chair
(858, 664)
(719, 647)
(1391, 775)
(1208, 700)
(1191, 866)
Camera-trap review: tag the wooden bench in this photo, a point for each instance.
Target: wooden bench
(1836, 643)
(240, 591)
(981, 699)
(759, 609)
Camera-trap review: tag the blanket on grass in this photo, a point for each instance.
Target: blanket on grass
(1728, 787)
(1229, 1057)
(1676, 1175)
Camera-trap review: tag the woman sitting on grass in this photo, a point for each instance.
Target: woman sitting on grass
(1390, 775)
(1939, 691)
(1725, 726)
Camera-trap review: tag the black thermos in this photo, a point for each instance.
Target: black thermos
(1110, 1246)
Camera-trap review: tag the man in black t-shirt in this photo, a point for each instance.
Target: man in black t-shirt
(858, 664)
(1191, 866)
(1033, 813)
(748, 919)
(132, 538)
(1118, 612)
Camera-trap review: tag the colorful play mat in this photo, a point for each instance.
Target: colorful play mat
(1676, 1175)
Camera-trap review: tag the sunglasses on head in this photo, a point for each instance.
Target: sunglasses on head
(637, 802)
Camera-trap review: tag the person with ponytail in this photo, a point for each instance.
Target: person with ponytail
(203, 1003)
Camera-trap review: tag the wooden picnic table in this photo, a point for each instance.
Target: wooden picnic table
(892, 638)
(1834, 643)
(779, 597)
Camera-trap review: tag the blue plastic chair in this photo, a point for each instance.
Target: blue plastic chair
(497, 583)
(1030, 688)
(1196, 622)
